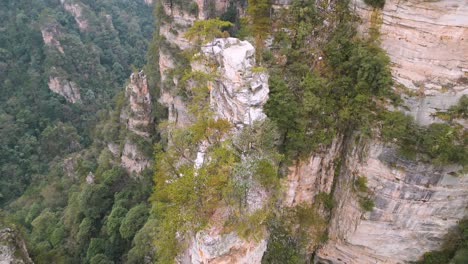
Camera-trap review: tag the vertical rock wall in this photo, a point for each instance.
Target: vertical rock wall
(427, 42)
(138, 120)
(415, 203)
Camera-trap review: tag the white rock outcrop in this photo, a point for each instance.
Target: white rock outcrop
(237, 94)
(239, 91)
(137, 116)
(68, 89)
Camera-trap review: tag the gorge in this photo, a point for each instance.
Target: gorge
(283, 131)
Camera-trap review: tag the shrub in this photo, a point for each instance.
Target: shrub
(326, 199)
(193, 8)
(133, 221)
(375, 3)
(366, 203)
(361, 184)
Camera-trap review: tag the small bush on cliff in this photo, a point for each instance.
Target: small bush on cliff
(375, 3)
(293, 234)
(366, 203)
(361, 184)
(204, 31)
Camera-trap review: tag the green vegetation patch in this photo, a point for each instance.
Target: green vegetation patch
(375, 3)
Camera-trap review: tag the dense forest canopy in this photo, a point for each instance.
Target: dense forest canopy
(95, 52)
(38, 125)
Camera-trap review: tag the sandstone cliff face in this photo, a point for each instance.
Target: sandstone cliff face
(12, 248)
(416, 203)
(310, 177)
(50, 34)
(427, 44)
(137, 118)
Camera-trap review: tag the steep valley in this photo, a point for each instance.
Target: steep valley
(283, 131)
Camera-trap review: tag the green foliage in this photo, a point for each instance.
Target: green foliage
(360, 183)
(47, 145)
(282, 246)
(38, 125)
(95, 200)
(96, 246)
(133, 221)
(339, 96)
(101, 259)
(115, 218)
(366, 203)
(260, 22)
(293, 233)
(326, 199)
(439, 142)
(204, 31)
(143, 243)
(460, 110)
(375, 3)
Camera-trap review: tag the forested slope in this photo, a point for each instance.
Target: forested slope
(64, 66)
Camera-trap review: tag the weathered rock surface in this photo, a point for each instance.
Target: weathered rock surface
(50, 35)
(239, 92)
(76, 9)
(173, 43)
(137, 117)
(68, 89)
(427, 42)
(132, 159)
(226, 248)
(415, 205)
(12, 248)
(308, 178)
